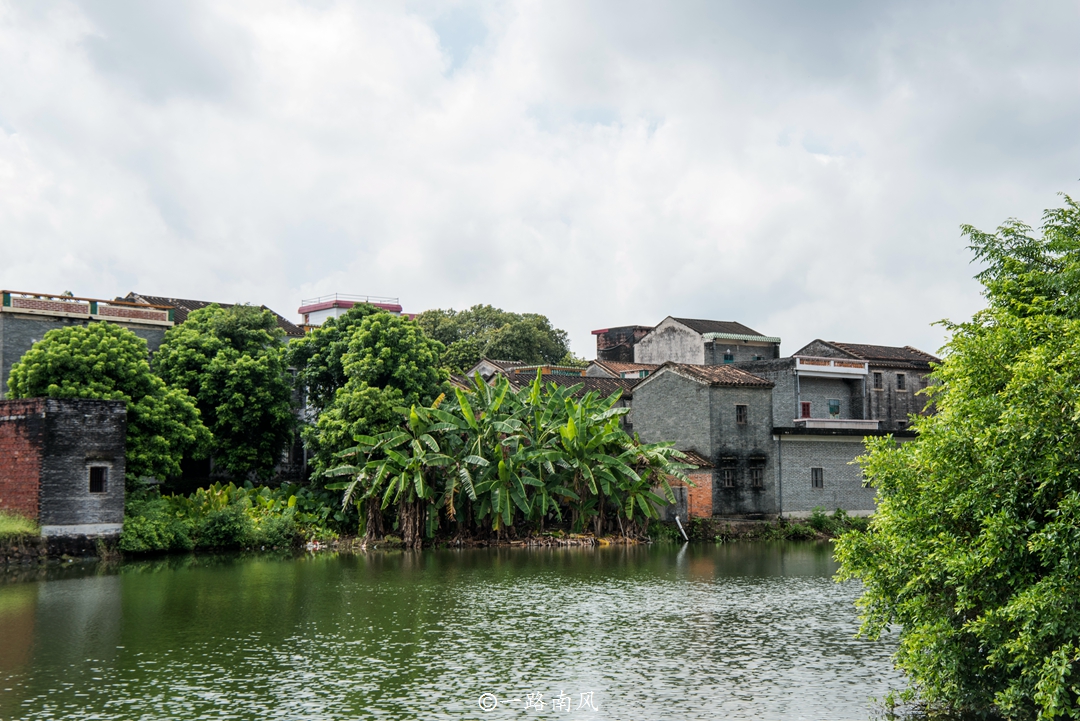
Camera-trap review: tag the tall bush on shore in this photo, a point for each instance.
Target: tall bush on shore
(232, 361)
(107, 361)
(495, 458)
(975, 548)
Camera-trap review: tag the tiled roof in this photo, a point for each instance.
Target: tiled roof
(617, 367)
(603, 386)
(887, 355)
(695, 459)
(184, 306)
(504, 364)
(722, 375)
(716, 326)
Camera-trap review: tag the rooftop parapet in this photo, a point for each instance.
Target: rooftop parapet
(69, 306)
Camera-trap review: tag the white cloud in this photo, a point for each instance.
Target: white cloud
(804, 172)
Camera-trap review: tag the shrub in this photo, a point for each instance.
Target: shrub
(13, 525)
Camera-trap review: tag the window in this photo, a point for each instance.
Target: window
(741, 413)
(98, 476)
(879, 382)
(757, 472)
(834, 408)
(729, 357)
(804, 409)
(817, 477)
(901, 425)
(901, 382)
(727, 472)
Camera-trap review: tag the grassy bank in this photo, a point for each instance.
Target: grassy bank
(14, 526)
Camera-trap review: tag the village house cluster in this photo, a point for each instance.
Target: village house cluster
(767, 434)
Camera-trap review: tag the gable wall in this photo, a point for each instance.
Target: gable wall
(671, 341)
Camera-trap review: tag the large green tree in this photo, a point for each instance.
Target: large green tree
(389, 363)
(975, 548)
(319, 357)
(232, 361)
(106, 361)
(484, 331)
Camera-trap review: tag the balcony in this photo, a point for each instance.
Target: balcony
(838, 424)
(830, 367)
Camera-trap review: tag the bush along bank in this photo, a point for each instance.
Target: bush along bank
(231, 517)
(819, 526)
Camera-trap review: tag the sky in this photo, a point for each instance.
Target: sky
(802, 168)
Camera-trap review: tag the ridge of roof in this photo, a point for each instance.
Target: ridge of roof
(716, 326)
(885, 353)
(721, 375)
(604, 386)
(623, 366)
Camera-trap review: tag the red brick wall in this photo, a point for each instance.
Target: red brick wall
(699, 501)
(21, 436)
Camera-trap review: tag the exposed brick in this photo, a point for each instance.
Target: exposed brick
(22, 426)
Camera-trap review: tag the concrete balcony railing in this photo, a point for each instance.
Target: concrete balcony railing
(830, 367)
(838, 424)
(92, 308)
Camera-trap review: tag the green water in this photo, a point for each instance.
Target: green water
(740, 631)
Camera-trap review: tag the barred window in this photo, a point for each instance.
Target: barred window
(901, 382)
(879, 381)
(817, 477)
(757, 472)
(727, 472)
(99, 475)
(834, 408)
(741, 414)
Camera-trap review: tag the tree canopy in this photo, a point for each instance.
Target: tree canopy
(975, 547)
(109, 362)
(389, 363)
(485, 331)
(318, 357)
(232, 361)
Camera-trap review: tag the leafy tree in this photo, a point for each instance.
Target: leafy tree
(106, 361)
(232, 361)
(975, 546)
(319, 356)
(486, 331)
(389, 363)
(492, 457)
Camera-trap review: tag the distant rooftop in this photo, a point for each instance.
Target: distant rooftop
(346, 300)
(182, 307)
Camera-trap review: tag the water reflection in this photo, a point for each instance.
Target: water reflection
(736, 631)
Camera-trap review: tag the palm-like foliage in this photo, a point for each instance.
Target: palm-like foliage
(492, 457)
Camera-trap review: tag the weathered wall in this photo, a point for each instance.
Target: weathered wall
(891, 405)
(669, 407)
(741, 351)
(19, 332)
(818, 392)
(781, 373)
(22, 431)
(670, 341)
(743, 443)
(80, 434)
(617, 344)
(842, 480)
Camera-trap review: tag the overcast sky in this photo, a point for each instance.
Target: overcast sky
(802, 168)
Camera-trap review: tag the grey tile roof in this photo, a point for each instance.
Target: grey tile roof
(716, 326)
(722, 375)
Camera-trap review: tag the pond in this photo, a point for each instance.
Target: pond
(736, 631)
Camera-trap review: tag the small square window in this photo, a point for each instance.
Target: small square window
(99, 475)
(817, 477)
(741, 414)
(834, 408)
(729, 357)
(901, 382)
(804, 409)
(879, 381)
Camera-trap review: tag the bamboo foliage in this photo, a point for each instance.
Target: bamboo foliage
(491, 459)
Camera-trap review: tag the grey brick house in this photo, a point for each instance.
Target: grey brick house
(781, 434)
(703, 342)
